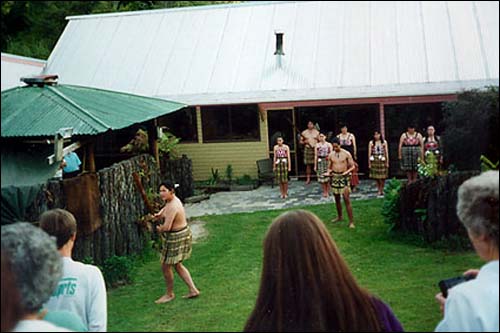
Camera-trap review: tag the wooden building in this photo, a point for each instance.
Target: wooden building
(253, 69)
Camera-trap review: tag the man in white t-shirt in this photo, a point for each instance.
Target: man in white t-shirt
(81, 289)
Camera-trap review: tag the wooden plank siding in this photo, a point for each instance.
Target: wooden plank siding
(241, 155)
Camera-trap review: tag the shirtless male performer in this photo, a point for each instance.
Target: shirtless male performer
(176, 242)
(309, 138)
(340, 166)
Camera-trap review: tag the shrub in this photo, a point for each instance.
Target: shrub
(117, 270)
(245, 180)
(229, 173)
(390, 208)
(471, 124)
(168, 145)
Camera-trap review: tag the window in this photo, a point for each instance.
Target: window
(182, 124)
(231, 123)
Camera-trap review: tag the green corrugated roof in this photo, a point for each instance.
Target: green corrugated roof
(42, 111)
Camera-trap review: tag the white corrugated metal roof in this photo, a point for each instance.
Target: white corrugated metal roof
(14, 67)
(224, 54)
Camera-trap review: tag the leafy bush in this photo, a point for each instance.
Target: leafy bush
(229, 173)
(245, 180)
(428, 168)
(117, 270)
(471, 126)
(487, 165)
(215, 178)
(390, 208)
(167, 145)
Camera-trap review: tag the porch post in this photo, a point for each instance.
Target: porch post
(382, 119)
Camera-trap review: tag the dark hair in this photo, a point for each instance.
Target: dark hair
(310, 121)
(411, 126)
(12, 310)
(381, 136)
(343, 125)
(168, 184)
(335, 140)
(305, 283)
(279, 137)
(58, 223)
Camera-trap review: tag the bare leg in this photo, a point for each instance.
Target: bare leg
(338, 204)
(348, 207)
(186, 276)
(285, 190)
(169, 281)
(308, 173)
(382, 185)
(281, 190)
(409, 177)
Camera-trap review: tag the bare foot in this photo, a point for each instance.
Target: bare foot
(308, 181)
(192, 294)
(338, 219)
(165, 299)
(351, 225)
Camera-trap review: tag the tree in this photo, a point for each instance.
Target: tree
(471, 127)
(32, 28)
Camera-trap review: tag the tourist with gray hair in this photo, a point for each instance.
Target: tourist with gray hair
(473, 306)
(37, 268)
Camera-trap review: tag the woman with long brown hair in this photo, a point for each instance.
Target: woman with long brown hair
(307, 286)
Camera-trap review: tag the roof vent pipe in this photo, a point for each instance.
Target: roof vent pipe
(279, 42)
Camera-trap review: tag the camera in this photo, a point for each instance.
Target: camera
(444, 285)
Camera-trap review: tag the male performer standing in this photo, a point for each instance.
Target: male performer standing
(340, 166)
(309, 138)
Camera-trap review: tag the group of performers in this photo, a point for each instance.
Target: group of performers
(335, 162)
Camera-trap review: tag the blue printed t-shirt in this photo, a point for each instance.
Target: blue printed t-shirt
(72, 162)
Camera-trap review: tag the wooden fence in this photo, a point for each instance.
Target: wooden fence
(120, 205)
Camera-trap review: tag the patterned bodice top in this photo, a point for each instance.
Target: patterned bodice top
(431, 145)
(347, 143)
(323, 150)
(378, 149)
(411, 140)
(281, 152)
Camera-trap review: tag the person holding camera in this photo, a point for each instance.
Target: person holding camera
(472, 306)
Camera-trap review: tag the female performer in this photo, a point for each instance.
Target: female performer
(321, 153)
(378, 161)
(281, 165)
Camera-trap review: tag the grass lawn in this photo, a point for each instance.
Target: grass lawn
(226, 268)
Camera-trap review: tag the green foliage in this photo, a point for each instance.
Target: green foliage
(428, 168)
(168, 145)
(487, 165)
(32, 28)
(88, 260)
(471, 125)
(229, 173)
(245, 180)
(117, 270)
(215, 178)
(390, 208)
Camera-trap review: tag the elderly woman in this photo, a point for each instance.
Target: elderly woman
(37, 267)
(473, 306)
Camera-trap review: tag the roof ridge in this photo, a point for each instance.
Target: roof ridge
(77, 106)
